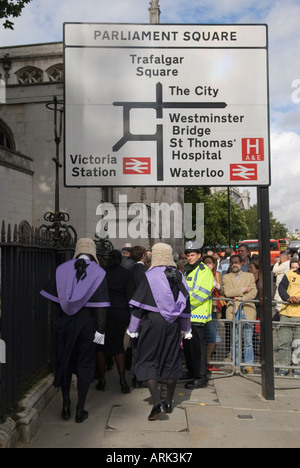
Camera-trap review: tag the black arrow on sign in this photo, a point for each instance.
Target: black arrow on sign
(158, 106)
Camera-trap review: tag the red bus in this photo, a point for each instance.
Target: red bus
(274, 248)
(284, 243)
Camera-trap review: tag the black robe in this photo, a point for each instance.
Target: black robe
(74, 349)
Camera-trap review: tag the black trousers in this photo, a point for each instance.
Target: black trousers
(195, 351)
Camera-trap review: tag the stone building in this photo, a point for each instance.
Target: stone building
(242, 199)
(33, 75)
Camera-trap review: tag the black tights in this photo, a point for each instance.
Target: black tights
(82, 391)
(120, 360)
(155, 393)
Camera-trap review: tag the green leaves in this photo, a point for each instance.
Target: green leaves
(277, 230)
(10, 8)
(216, 226)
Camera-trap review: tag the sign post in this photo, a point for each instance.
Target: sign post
(166, 105)
(172, 105)
(265, 296)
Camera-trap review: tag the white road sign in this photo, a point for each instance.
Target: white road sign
(166, 105)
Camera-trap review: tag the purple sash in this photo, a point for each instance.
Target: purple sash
(163, 296)
(73, 294)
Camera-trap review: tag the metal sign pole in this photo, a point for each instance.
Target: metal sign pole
(265, 288)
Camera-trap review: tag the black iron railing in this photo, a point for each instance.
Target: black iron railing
(28, 260)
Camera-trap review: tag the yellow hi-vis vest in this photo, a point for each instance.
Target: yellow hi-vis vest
(292, 310)
(200, 283)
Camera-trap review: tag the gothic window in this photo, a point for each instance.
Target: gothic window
(24, 231)
(6, 138)
(55, 72)
(28, 75)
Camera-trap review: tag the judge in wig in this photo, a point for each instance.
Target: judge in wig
(80, 290)
(160, 318)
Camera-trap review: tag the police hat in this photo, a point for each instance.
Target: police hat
(192, 246)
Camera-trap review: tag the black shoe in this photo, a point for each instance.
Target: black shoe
(169, 408)
(156, 411)
(66, 413)
(101, 385)
(124, 386)
(196, 384)
(80, 417)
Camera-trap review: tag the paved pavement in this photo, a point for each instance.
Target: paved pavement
(229, 413)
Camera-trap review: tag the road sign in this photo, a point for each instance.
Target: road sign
(166, 105)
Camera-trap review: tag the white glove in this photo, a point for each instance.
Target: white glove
(132, 334)
(99, 338)
(187, 335)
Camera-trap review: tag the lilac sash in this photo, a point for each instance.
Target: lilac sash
(163, 296)
(73, 294)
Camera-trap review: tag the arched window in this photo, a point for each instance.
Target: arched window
(28, 75)
(24, 231)
(6, 138)
(55, 73)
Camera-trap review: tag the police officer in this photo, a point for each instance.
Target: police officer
(200, 281)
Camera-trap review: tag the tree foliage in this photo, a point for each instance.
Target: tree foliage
(243, 223)
(216, 226)
(277, 229)
(11, 9)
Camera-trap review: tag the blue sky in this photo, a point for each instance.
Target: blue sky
(42, 21)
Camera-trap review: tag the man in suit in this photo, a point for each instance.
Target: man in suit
(240, 286)
(138, 255)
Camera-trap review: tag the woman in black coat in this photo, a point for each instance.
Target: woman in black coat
(120, 289)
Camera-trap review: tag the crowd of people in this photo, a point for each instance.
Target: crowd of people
(161, 306)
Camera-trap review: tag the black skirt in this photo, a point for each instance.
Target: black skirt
(117, 321)
(158, 352)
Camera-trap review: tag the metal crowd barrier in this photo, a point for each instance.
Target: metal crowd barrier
(223, 354)
(227, 359)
